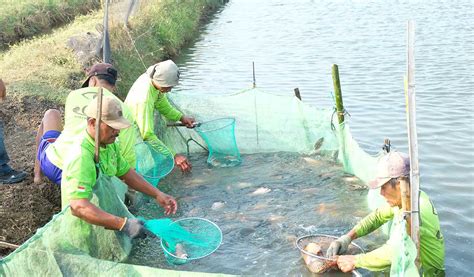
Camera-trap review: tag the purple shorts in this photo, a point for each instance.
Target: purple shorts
(49, 170)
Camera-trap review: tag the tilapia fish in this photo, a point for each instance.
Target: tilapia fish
(316, 265)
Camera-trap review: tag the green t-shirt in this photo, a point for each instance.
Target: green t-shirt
(75, 123)
(142, 100)
(431, 239)
(79, 173)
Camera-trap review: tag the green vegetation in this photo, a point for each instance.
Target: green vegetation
(45, 67)
(25, 19)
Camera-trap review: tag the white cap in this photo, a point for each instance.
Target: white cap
(166, 73)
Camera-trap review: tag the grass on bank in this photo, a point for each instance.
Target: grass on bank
(26, 18)
(45, 67)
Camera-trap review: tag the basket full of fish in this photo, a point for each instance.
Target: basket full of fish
(313, 249)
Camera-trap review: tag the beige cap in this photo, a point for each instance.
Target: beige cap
(391, 165)
(166, 73)
(111, 112)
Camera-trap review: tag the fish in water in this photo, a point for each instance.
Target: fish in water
(261, 190)
(312, 161)
(318, 143)
(181, 254)
(243, 185)
(276, 218)
(218, 205)
(316, 265)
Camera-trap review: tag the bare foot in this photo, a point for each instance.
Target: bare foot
(37, 180)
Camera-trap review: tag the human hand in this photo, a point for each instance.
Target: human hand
(134, 228)
(167, 202)
(183, 163)
(338, 246)
(188, 121)
(346, 263)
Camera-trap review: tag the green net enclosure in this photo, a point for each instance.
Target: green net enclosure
(264, 122)
(220, 139)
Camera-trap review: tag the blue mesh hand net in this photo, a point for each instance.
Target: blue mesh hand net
(220, 139)
(186, 239)
(154, 161)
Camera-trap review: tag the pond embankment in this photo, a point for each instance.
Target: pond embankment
(41, 71)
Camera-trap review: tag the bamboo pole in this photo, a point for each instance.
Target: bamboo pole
(338, 93)
(342, 155)
(98, 118)
(414, 221)
(105, 34)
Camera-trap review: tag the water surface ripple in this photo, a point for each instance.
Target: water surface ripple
(294, 43)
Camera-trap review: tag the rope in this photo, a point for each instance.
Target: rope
(344, 113)
(135, 47)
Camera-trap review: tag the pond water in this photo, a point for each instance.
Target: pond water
(261, 206)
(293, 44)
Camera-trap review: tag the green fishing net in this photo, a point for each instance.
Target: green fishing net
(403, 262)
(220, 139)
(264, 122)
(186, 239)
(154, 161)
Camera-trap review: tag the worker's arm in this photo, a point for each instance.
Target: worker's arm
(165, 108)
(367, 225)
(87, 211)
(144, 118)
(376, 260)
(372, 222)
(136, 182)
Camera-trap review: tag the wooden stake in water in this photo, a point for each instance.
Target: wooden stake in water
(340, 116)
(297, 93)
(255, 102)
(338, 93)
(98, 118)
(413, 139)
(253, 73)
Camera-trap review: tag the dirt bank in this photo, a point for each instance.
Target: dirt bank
(24, 207)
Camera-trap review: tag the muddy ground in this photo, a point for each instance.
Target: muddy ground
(24, 207)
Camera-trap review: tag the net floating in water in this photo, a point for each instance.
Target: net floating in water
(153, 161)
(313, 247)
(219, 135)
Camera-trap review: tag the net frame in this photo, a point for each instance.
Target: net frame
(193, 258)
(301, 248)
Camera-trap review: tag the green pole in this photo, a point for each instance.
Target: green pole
(338, 93)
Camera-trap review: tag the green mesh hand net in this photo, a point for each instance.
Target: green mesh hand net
(220, 139)
(186, 239)
(154, 161)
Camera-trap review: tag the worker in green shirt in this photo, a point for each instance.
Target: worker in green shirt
(148, 94)
(392, 168)
(53, 141)
(81, 171)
